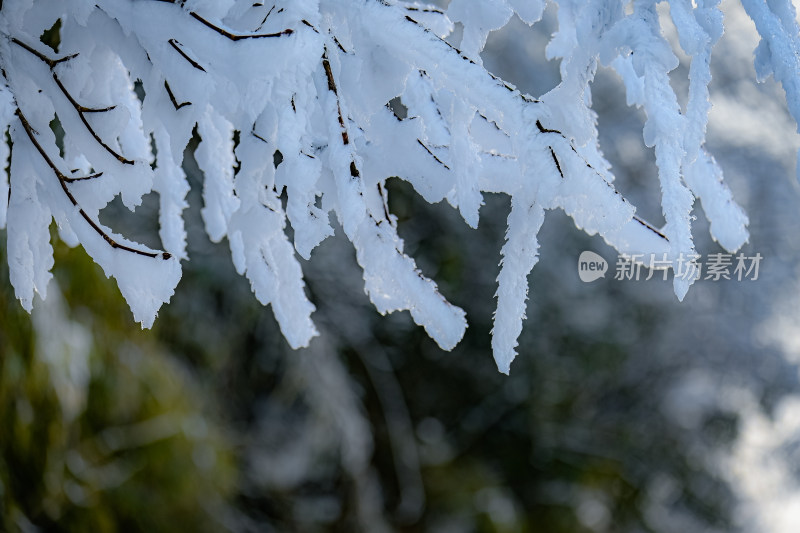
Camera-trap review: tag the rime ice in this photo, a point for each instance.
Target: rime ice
(311, 80)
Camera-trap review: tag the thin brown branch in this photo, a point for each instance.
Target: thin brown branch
(49, 61)
(384, 202)
(177, 46)
(555, 160)
(432, 154)
(463, 56)
(339, 45)
(173, 99)
(257, 136)
(332, 87)
(80, 109)
(83, 178)
(64, 180)
(307, 23)
(238, 37)
(650, 227)
(425, 10)
(354, 172)
(542, 129)
(265, 16)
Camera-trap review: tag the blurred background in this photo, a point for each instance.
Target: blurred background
(625, 411)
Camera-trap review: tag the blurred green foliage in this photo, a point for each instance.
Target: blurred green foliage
(142, 452)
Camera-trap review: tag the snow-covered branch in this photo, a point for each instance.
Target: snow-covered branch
(299, 98)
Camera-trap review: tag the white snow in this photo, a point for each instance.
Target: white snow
(312, 81)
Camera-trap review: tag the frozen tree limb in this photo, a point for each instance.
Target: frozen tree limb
(296, 97)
